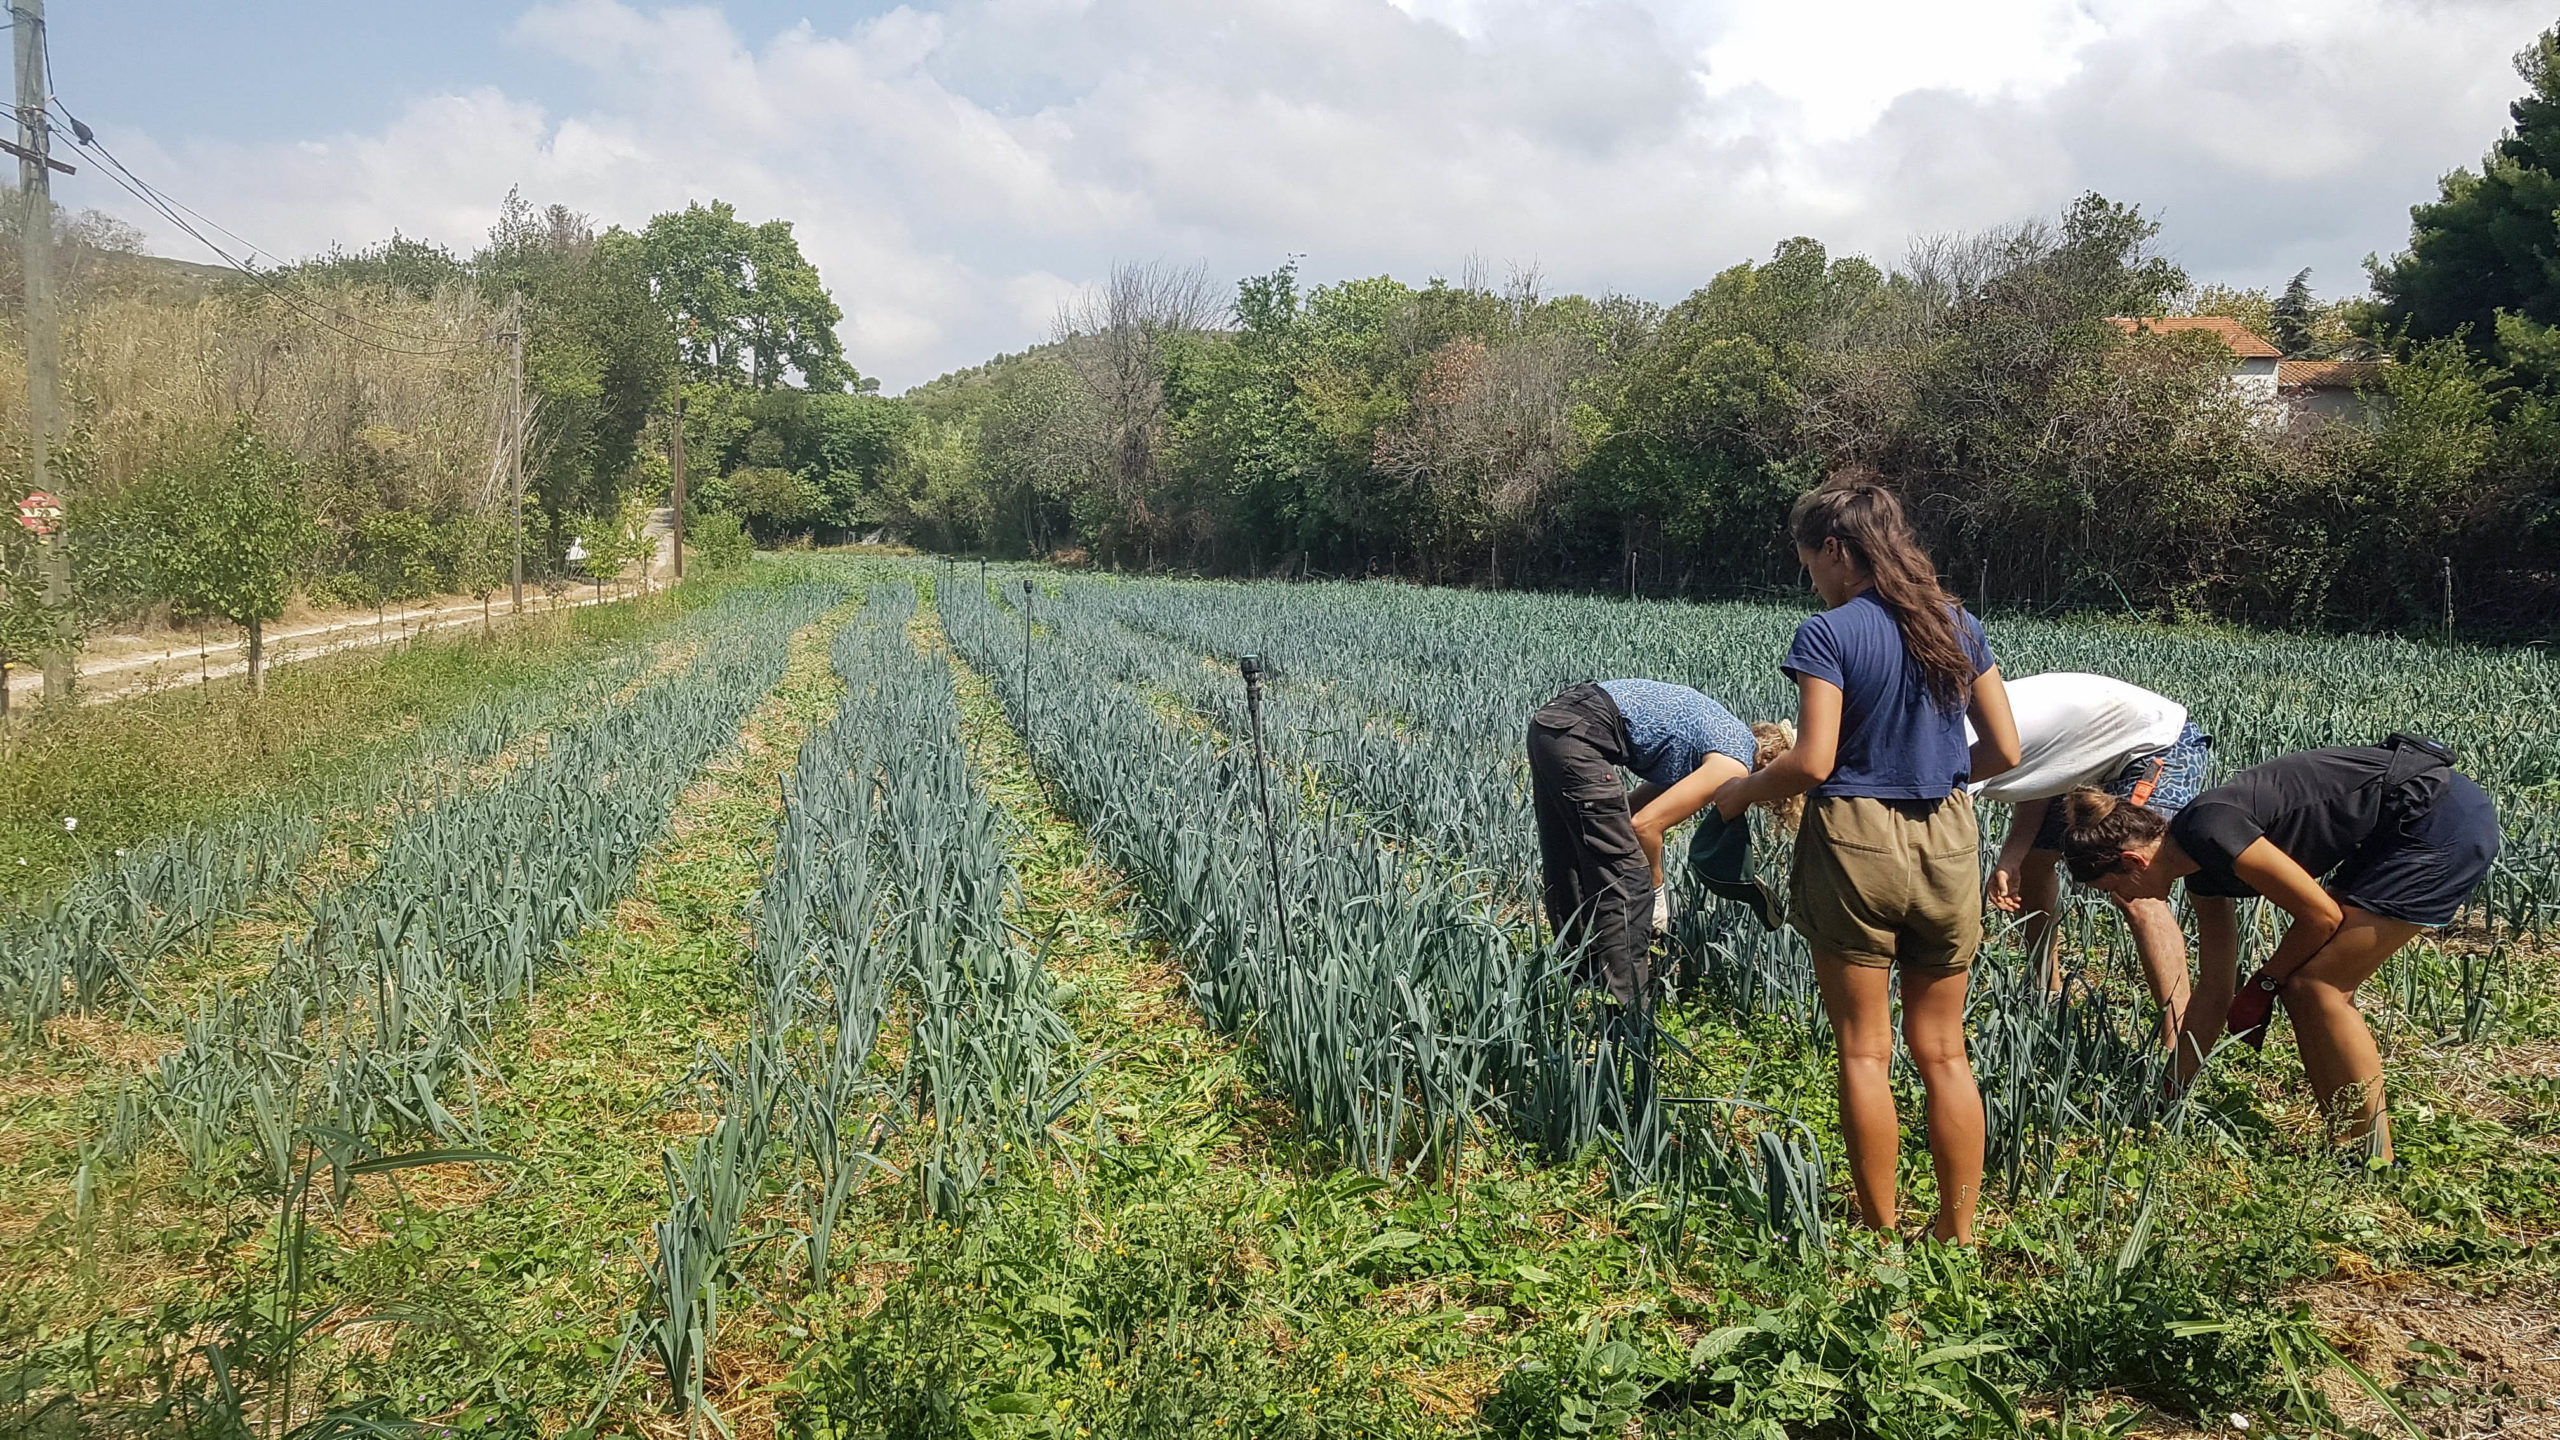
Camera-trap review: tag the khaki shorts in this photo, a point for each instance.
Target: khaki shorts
(1890, 882)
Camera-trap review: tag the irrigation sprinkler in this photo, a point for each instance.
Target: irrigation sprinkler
(1250, 666)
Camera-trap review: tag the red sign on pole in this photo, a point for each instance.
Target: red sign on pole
(40, 512)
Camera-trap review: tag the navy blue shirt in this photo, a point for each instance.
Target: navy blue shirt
(1672, 728)
(1895, 743)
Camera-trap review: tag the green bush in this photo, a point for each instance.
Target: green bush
(718, 541)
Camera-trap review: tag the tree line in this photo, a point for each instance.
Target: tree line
(1473, 432)
(339, 430)
(336, 430)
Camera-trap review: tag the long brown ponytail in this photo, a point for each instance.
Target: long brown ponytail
(1867, 520)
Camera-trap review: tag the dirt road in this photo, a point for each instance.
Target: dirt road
(117, 666)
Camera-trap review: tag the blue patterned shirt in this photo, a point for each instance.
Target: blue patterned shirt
(1672, 728)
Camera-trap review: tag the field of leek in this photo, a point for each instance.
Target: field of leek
(865, 998)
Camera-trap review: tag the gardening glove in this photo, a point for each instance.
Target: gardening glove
(1661, 909)
(2252, 1010)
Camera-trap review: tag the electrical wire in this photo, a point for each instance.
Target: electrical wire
(176, 212)
(301, 304)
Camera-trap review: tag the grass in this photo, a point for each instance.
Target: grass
(501, 1276)
(150, 764)
(1190, 1264)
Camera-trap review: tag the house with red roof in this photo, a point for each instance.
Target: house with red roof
(2254, 357)
(2295, 392)
(2319, 392)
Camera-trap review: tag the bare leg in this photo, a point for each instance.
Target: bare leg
(2163, 948)
(2217, 979)
(2040, 901)
(1933, 1026)
(2338, 1054)
(1859, 1000)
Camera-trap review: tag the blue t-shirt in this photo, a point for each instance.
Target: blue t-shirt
(1673, 728)
(1895, 743)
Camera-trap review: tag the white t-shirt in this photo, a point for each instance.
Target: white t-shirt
(2076, 729)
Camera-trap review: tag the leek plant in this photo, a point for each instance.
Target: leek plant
(93, 946)
(889, 884)
(377, 1016)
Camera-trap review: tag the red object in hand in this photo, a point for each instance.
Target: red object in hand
(2252, 1010)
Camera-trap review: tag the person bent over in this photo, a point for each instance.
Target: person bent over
(2363, 845)
(2079, 730)
(1600, 848)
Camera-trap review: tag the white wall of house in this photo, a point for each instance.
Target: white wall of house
(2255, 380)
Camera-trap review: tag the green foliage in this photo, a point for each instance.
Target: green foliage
(1463, 433)
(228, 526)
(744, 303)
(718, 541)
(394, 557)
(775, 501)
(2488, 245)
(474, 554)
(599, 355)
(29, 624)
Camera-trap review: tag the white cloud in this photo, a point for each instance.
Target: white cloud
(957, 170)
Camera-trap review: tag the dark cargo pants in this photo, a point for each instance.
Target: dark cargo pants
(1599, 888)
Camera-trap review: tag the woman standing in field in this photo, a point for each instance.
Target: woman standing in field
(1887, 862)
(2402, 837)
(2073, 730)
(1601, 848)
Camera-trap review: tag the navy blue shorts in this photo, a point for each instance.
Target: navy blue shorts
(2422, 869)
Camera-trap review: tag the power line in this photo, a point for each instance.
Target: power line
(282, 291)
(176, 212)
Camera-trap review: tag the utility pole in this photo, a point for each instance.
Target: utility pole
(44, 345)
(678, 467)
(515, 436)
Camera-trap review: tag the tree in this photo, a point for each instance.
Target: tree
(476, 553)
(231, 531)
(599, 357)
(2490, 242)
(775, 501)
(2291, 318)
(745, 304)
(1116, 341)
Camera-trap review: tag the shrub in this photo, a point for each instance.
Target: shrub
(718, 541)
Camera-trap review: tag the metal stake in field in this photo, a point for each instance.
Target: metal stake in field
(2448, 599)
(1251, 668)
(1026, 659)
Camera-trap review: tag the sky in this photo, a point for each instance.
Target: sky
(959, 170)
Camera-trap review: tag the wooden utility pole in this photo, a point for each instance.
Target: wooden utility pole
(515, 436)
(44, 345)
(678, 467)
